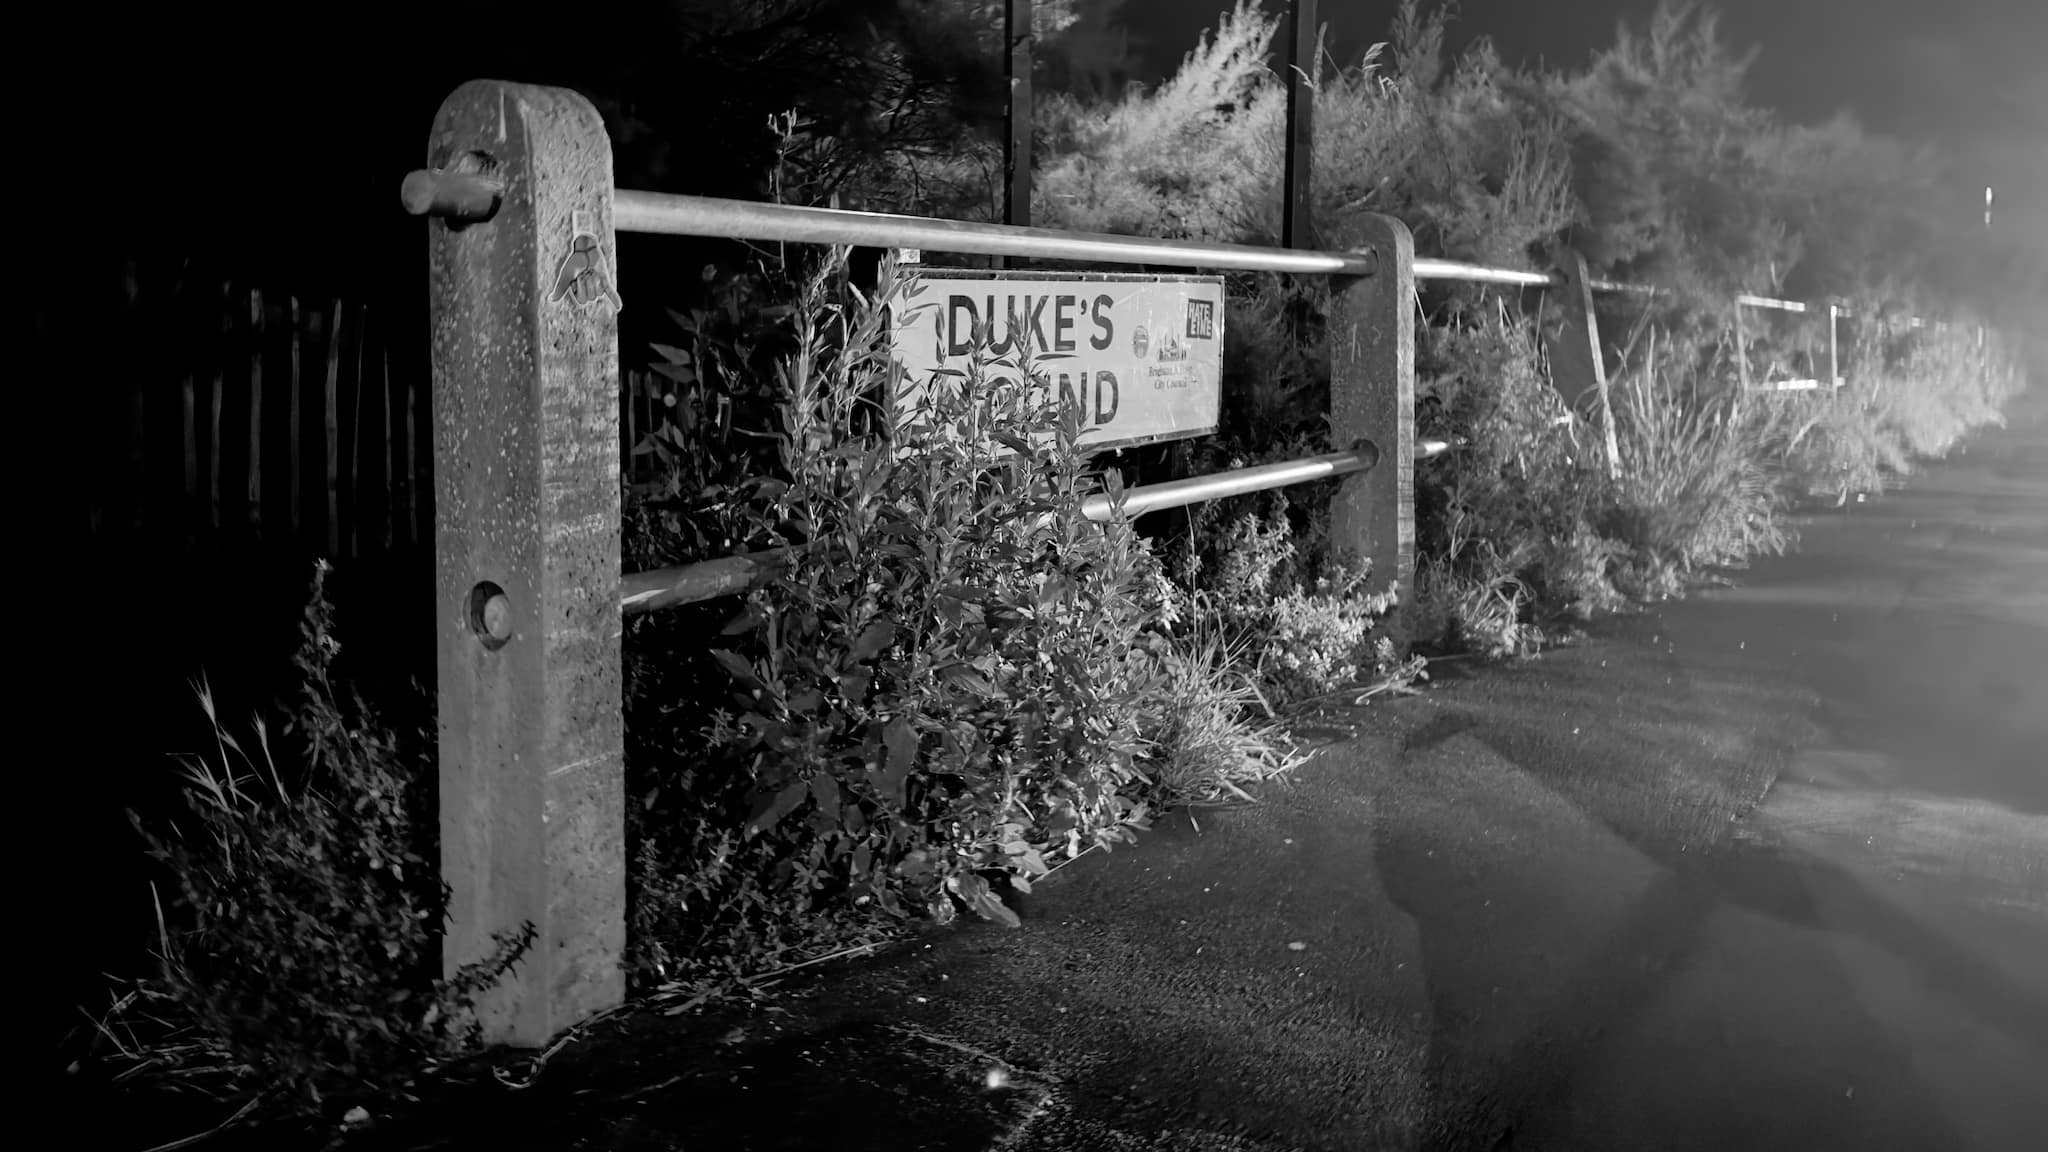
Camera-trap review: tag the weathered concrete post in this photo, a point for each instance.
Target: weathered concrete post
(526, 479)
(1372, 397)
(1572, 343)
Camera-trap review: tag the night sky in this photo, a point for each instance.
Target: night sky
(1967, 74)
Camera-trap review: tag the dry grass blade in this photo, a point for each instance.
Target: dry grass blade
(247, 1107)
(778, 973)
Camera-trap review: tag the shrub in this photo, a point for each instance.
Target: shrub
(1303, 619)
(1504, 519)
(301, 952)
(943, 690)
(1212, 728)
(1699, 487)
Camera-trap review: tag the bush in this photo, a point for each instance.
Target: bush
(1213, 729)
(1505, 519)
(954, 681)
(1302, 619)
(1699, 484)
(301, 954)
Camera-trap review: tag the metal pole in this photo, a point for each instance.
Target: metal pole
(674, 215)
(1433, 269)
(1217, 485)
(1833, 349)
(1987, 237)
(1017, 137)
(525, 346)
(1741, 346)
(463, 198)
(1296, 230)
(1578, 370)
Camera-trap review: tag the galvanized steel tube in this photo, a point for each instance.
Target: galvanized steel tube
(664, 213)
(433, 193)
(1237, 482)
(1767, 302)
(1426, 269)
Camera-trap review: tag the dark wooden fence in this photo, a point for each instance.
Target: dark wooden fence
(224, 413)
(219, 411)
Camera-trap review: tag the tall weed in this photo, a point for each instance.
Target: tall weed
(301, 946)
(1698, 488)
(955, 681)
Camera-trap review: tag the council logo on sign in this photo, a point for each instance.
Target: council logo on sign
(1201, 320)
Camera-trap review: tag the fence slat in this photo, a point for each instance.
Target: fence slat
(255, 463)
(188, 426)
(215, 402)
(133, 370)
(355, 437)
(412, 474)
(293, 417)
(331, 428)
(384, 435)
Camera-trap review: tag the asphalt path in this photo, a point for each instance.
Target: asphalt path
(1862, 961)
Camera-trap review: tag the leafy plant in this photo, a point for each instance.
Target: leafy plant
(301, 949)
(1698, 486)
(936, 694)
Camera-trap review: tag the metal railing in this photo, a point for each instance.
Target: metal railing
(471, 198)
(529, 595)
(680, 215)
(467, 196)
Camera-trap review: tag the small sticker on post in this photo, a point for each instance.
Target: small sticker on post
(584, 277)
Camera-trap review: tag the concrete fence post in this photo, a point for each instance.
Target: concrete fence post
(526, 472)
(1372, 397)
(1572, 343)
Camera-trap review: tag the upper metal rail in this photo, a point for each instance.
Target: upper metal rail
(473, 197)
(668, 214)
(1749, 301)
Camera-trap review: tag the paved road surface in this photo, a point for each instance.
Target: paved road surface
(1864, 963)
